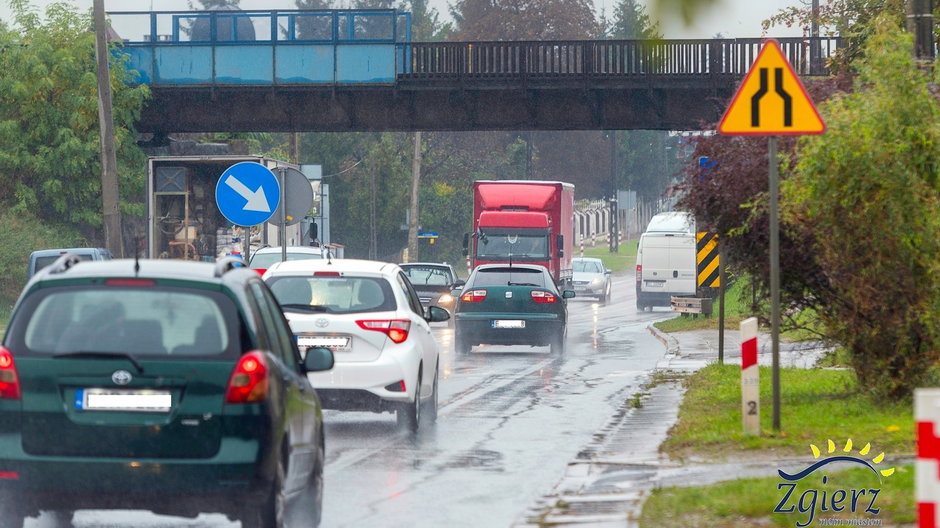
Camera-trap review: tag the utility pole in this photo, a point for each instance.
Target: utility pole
(613, 239)
(815, 46)
(413, 218)
(113, 237)
(920, 24)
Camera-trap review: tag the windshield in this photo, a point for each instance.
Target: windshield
(332, 294)
(587, 266)
(139, 321)
(495, 246)
(428, 275)
(266, 260)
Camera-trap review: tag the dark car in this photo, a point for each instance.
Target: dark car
(161, 385)
(511, 305)
(41, 258)
(433, 282)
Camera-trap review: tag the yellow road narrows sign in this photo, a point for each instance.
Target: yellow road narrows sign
(771, 100)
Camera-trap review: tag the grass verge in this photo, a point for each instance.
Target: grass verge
(623, 260)
(751, 502)
(736, 310)
(816, 404)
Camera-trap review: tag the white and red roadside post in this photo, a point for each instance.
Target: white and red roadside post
(927, 468)
(593, 239)
(582, 246)
(750, 378)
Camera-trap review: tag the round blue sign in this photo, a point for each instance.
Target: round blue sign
(247, 193)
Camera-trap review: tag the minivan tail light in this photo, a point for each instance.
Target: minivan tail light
(249, 381)
(540, 296)
(473, 296)
(639, 273)
(9, 380)
(396, 329)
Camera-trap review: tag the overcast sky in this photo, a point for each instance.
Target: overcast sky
(731, 18)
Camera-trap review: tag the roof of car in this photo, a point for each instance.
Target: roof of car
(353, 265)
(595, 259)
(425, 264)
(85, 250)
(149, 268)
(290, 249)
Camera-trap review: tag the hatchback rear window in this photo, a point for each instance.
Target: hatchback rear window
(332, 294)
(142, 321)
(509, 277)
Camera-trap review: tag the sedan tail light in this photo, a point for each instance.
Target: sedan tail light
(396, 329)
(473, 296)
(540, 296)
(249, 381)
(9, 380)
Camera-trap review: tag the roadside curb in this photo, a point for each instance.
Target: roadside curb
(668, 341)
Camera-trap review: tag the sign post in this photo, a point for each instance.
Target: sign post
(772, 101)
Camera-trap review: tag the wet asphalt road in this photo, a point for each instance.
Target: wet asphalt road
(511, 418)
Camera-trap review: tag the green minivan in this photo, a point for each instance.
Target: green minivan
(160, 385)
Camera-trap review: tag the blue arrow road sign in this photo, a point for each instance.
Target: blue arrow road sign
(247, 193)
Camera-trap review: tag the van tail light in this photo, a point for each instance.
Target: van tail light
(396, 329)
(249, 381)
(473, 296)
(639, 273)
(540, 296)
(9, 380)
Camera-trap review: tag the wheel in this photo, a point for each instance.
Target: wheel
(271, 512)
(430, 409)
(311, 504)
(558, 343)
(12, 516)
(409, 414)
(59, 518)
(461, 344)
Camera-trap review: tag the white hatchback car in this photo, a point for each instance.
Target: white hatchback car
(368, 314)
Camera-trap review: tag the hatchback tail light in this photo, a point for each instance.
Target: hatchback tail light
(473, 296)
(540, 296)
(249, 381)
(396, 329)
(9, 380)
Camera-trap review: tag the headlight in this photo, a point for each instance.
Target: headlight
(597, 281)
(445, 299)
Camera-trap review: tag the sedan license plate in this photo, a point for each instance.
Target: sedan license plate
(123, 400)
(508, 323)
(334, 343)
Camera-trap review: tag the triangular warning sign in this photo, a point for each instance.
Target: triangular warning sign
(771, 100)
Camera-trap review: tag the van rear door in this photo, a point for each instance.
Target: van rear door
(668, 263)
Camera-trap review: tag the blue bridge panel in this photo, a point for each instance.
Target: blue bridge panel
(304, 64)
(365, 63)
(183, 65)
(139, 60)
(244, 65)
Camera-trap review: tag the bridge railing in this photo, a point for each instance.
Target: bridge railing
(446, 60)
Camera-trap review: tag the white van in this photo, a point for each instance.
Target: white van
(665, 260)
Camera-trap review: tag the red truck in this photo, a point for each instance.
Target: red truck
(523, 221)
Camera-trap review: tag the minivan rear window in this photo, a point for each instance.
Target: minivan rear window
(141, 321)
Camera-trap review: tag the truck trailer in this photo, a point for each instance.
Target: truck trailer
(523, 221)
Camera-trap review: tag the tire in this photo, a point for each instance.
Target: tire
(430, 408)
(59, 518)
(409, 414)
(12, 516)
(312, 502)
(272, 510)
(461, 345)
(558, 343)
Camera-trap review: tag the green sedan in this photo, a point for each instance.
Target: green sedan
(516, 304)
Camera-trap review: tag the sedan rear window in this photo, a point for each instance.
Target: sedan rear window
(139, 321)
(509, 277)
(332, 294)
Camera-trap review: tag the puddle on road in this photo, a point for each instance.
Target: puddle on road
(476, 459)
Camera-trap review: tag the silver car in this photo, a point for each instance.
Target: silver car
(591, 278)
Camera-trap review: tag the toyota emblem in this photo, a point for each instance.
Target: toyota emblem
(322, 322)
(121, 377)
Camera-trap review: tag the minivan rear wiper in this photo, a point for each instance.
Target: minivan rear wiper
(306, 308)
(101, 354)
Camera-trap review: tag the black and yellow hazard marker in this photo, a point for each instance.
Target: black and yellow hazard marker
(706, 258)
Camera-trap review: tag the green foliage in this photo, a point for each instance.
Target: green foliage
(22, 234)
(868, 191)
(50, 164)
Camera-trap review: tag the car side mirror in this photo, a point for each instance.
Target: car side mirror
(436, 314)
(567, 294)
(607, 272)
(459, 283)
(560, 244)
(466, 244)
(456, 292)
(318, 359)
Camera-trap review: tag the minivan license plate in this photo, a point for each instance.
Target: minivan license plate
(508, 323)
(122, 400)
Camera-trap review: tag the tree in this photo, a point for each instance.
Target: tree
(524, 20)
(631, 21)
(50, 164)
(869, 192)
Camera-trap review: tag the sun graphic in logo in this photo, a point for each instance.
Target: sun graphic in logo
(840, 458)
